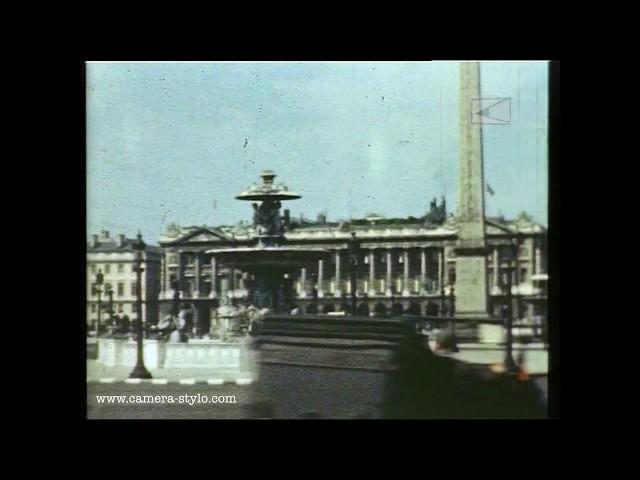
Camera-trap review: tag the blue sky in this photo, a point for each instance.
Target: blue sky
(166, 141)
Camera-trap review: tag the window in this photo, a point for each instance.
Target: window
(134, 290)
(107, 287)
(120, 289)
(120, 268)
(523, 275)
(93, 308)
(107, 268)
(134, 307)
(93, 289)
(120, 308)
(93, 269)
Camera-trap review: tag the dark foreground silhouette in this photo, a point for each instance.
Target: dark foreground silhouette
(429, 386)
(323, 367)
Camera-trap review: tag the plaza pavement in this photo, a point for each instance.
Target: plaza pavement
(311, 386)
(536, 362)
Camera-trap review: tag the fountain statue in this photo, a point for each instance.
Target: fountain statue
(269, 261)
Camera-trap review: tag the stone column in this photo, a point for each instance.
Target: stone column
(496, 270)
(303, 282)
(320, 278)
(372, 273)
(423, 271)
(538, 261)
(224, 282)
(196, 291)
(440, 269)
(337, 293)
(517, 264)
(168, 288)
(405, 277)
(214, 272)
(180, 274)
(517, 311)
(389, 281)
(163, 275)
(471, 260)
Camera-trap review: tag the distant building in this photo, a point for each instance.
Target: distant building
(407, 264)
(115, 258)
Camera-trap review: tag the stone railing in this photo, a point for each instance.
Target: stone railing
(213, 354)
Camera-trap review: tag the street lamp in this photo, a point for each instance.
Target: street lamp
(452, 299)
(354, 251)
(443, 312)
(98, 291)
(509, 362)
(109, 293)
(315, 299)
(139, 371)
(175, 309)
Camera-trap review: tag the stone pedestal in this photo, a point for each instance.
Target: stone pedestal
(471, 287)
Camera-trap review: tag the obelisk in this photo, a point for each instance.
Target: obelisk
(471, 267)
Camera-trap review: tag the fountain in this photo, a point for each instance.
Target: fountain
(269, 262)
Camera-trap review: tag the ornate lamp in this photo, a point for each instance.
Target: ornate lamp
(139, 371)
(109, 292)
(509, 257)
(98, 291)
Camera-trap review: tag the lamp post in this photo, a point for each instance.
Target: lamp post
(354, 250)
(316, 301)
(175, 308)
(509, 362)
(98, 291)
(109, 292)
(452, 299)
(443, 312)
(139, 371)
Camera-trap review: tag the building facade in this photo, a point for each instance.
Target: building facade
(406, 265)
(115, 259)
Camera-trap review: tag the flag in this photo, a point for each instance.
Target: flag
(490, 190)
